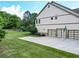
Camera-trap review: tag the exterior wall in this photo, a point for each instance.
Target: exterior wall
(61, 22)
(64, 19)
(44, 28)
(61, 19)
(52, 11)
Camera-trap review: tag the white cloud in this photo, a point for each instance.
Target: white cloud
(35, 9)
(14, 10)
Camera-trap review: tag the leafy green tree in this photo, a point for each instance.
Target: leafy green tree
(1, 22)
(29, 24)
(12, 22)
(8, 21)
(32, 27)
(33, 18)
(2, 32)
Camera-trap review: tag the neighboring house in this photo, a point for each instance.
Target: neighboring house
(58, 21)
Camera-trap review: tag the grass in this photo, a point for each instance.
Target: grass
(13, 47)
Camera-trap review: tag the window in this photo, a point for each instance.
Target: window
(39, 21)
(51, 18)
(56, 17)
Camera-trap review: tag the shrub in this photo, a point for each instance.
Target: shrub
(2, 34)
(32, 29)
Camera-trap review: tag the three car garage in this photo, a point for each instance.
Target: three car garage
(61, 33)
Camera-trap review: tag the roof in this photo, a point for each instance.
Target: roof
(76, 10)
(61, 7)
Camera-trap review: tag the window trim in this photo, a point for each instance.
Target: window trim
(39, 21)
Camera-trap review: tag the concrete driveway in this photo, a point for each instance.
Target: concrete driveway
(69, 45)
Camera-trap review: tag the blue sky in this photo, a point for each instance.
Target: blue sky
(25, 5)
(70, 4)
(33, 6)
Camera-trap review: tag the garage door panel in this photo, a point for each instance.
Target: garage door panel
(70, 34)
(59, 33)
(49, 32)
(52, 32)
(74, 34)
(63, 34)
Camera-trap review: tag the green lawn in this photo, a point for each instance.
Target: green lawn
(11, 46)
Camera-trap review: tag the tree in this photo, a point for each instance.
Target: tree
(26, 15)
(12, 22)
(1, 22)
(29, 24)
(32, 27)
(8, 21)
(33, 18)
(2, 32)
(25, 21)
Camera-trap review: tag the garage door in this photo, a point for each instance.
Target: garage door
(52, 32)
(49, 32)
(71, 34)
(61, 33)
(57, 33)
(74, 34)
(64, 34)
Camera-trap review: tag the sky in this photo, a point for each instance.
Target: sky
(19, 7)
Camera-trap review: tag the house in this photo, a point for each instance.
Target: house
(56, 20)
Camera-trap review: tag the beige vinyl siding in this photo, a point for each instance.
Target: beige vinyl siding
(63, 19)
(52, 11)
